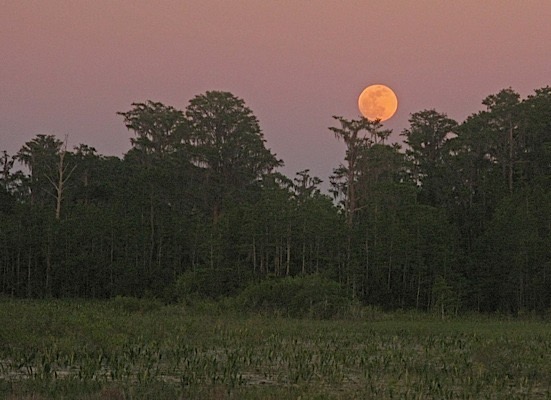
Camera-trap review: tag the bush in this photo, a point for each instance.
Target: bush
(132, 304)
(308, 296)
(206, 283)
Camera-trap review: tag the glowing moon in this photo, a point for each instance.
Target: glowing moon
(377, 102)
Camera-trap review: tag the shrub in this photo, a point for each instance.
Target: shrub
(308, 296)
(206, 283)
(133, 304)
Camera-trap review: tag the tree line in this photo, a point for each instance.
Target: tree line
(458, 219)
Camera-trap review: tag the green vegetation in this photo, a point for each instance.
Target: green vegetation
(457, 221)
(139, 349)
(310, 296)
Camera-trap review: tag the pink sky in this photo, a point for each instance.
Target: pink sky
(67, 67)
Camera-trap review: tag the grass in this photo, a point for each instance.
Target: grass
(132, 349)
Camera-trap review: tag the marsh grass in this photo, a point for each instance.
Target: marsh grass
(130, 349)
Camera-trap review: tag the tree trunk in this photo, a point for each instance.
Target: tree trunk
(29, 291)
(254, 254)
(366, 270)
(390, 262)
(62, 177)
(288, 259)
(48, 267)
(510, 157)
(418, 290)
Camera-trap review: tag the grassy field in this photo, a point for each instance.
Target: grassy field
(130, 349)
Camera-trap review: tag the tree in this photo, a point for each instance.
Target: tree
(375, 188)
(40, 156)
(159, 128)
(534, 155)
(230, 146)
(306, 196)
(503, 125)
(345, 178)
(85, 161)
(6, 164)
(6, 182)
(516, 253)
(155, 166)
(59, 181)
(385, 189)
(426, 138)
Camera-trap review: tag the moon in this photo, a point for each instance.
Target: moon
(378, 102)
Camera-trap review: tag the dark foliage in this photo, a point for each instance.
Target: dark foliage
(459, 220)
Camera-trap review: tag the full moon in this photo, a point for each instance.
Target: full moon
(377, 102)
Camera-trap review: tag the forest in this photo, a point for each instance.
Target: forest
(457, 219)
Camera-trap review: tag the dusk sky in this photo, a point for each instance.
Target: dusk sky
(67, 67)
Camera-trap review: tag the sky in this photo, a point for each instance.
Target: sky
(68, 66)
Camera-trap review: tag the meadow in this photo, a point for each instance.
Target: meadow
(139, 349)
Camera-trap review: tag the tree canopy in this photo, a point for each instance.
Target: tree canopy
(457, 219)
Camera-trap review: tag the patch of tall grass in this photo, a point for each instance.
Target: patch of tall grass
(140, 349)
